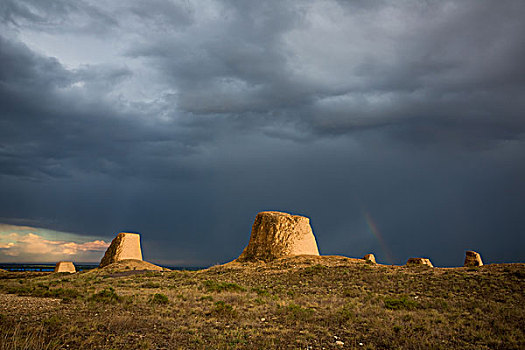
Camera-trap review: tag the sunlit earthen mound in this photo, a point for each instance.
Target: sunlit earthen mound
(132, 265)
(124, 246)
(291, 262)
(275, 235)
(65, 266)
(370, 258)
(419, 261)
(472, 259)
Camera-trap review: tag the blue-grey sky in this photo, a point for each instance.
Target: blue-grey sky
(398, 127)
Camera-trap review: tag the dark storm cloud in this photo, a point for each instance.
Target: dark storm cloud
(52, 128)
(162, 14)
(56, 16)
(181, 120)
(444, 66)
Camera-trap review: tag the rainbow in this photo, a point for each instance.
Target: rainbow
(375, 232)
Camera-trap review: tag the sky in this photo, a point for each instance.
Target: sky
(397, 127)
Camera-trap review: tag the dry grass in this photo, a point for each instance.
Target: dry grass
(296, 303)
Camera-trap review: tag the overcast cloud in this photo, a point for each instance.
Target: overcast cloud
(183, 119)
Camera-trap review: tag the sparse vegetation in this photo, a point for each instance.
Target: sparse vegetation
(159, 299)
(297, 312)
(260, 291)
(107, 296)
(222, 309)
(150, 285)
(214, 286)
(296, 304)
(402, 302)
(314, 269)
(44, 291)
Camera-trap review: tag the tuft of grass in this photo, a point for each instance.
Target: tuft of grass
(215, 286)
(54, 322)
(44, 291)
(159, 299)
(150, 285)
(297, 312)
(314, 269)
(260, 291)
(347, 314)
(223, 309)
(14, 336)
(106, 296)
(401, 303)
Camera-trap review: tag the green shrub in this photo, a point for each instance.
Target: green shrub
(314, 269)
(54, 322)
(65, 293)
(150, 285)
(297, 312)
(44, 291)
(223, 309)
(347, 314)
(159, 299)
(107, 296)
(261, 291)
(400, 303)
(214, 286)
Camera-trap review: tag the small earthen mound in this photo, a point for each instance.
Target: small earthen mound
(132, 265)
(370, 258)
(419, 261)
(124, 246)
(276, 235)
(472, 259)
(65, 266)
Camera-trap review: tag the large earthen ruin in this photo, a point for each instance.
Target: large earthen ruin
(419, 261)
(123, 247)
(276, 235)
(472, 258)
(65, 266)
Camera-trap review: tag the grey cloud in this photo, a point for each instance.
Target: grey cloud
(230, 64)
(453, 66)
(51, 128)
(163, 15)
(22, 69)
(203, 115)
(56, 16)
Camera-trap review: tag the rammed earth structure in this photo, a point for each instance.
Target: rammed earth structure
(123, 247)
(276, 234)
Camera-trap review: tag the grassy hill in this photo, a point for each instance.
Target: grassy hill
(293, 303)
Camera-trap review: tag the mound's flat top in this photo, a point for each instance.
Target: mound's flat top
(133, 264)
(279, 213)
(295, 261)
